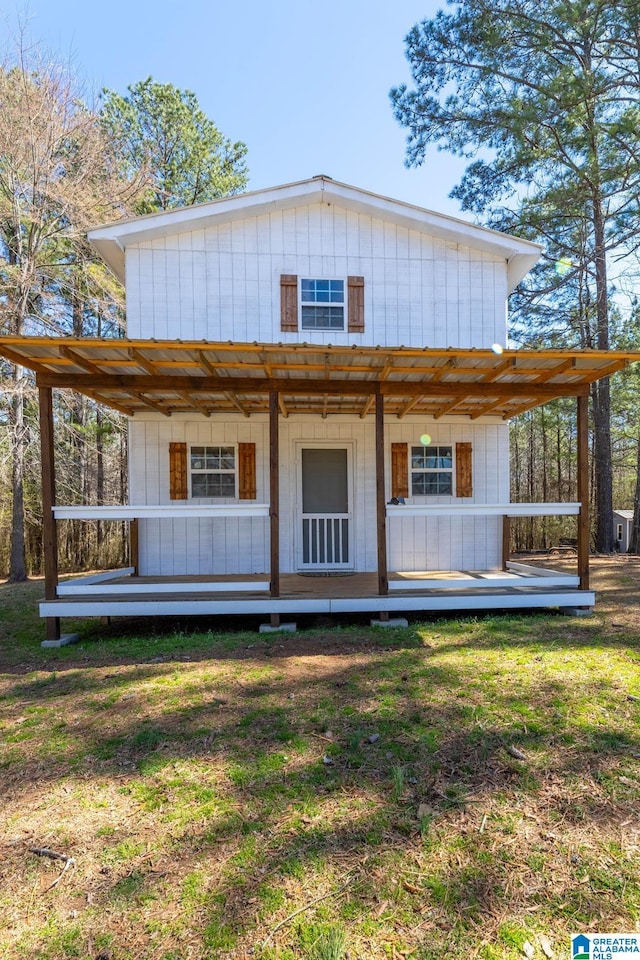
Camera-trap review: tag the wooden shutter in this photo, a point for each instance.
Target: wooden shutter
(247, 471)
(399, 470)
(288, 303)
(178, 471)
(355, 304)
(464, 470)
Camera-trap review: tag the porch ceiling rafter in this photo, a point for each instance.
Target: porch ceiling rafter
(174, 376)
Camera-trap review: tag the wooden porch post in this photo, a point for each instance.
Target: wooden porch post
(583, 491)
(49, 530)
(381, 510)
(274, 495)
(506, 541)
(134, 548)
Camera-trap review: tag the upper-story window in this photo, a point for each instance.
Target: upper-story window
(322, 304)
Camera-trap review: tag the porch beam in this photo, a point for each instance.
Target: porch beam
(49, 527)
(487, 408)
(569, 364)
(381, 509)
(283, 407)
(79, 361)
(367, 407)
(151, 403)
(196, 404)
(493, 375)
(142, 361)
(448, 407)
(274, 494)
(583, 491)
(16, 357)
(295, 385)
(206, 364)
(238, 405)
(523, 407)
(444, 369)
(267, 366)
(120, 407)
(408, 407)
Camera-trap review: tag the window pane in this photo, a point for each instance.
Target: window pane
(337, 291)
(417, 484)
(431, 485)
(198, 485)
(322, 291)
(417, 458)
(213, 485)
(323, 318)
(445, 483)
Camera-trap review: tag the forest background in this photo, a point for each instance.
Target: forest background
(539, 98)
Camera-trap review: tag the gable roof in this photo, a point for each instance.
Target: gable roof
(112, 239)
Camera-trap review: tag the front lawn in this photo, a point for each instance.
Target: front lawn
(463, 787)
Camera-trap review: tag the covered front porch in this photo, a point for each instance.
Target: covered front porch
(125, 592)
(377, 385)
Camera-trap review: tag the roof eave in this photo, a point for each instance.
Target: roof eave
(520, 254)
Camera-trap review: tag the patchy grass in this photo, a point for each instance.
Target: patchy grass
(210, 786)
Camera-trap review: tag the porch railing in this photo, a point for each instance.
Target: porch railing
(483, 510)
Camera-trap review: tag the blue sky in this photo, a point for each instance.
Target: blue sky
(306, 86)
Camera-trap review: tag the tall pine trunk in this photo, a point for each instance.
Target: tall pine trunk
(601, 395)
(17, 560)
(634, 539)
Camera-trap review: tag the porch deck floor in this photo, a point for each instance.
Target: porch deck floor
(353, 593)
(305, 585)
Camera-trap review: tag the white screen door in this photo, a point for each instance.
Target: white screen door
(325, 520)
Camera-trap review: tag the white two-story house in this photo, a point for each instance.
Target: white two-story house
(318, 392)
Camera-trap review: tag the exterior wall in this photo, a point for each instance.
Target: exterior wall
(223, 282)
(199, 546)
(622, 545)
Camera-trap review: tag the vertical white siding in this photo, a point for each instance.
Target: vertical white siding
(200, 546)
(223, 282)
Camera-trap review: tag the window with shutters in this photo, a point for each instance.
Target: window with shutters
(432, 471)
(322, 304)
(212, 471)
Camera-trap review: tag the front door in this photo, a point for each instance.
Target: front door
(324, 525)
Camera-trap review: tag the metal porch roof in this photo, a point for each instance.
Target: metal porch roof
(174, 376)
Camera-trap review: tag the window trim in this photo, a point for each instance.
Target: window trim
(314, 303)
(451, 471)
(235, 471)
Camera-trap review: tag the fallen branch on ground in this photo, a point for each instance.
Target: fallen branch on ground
(45, 852)
(307, 906)
(54, 855)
